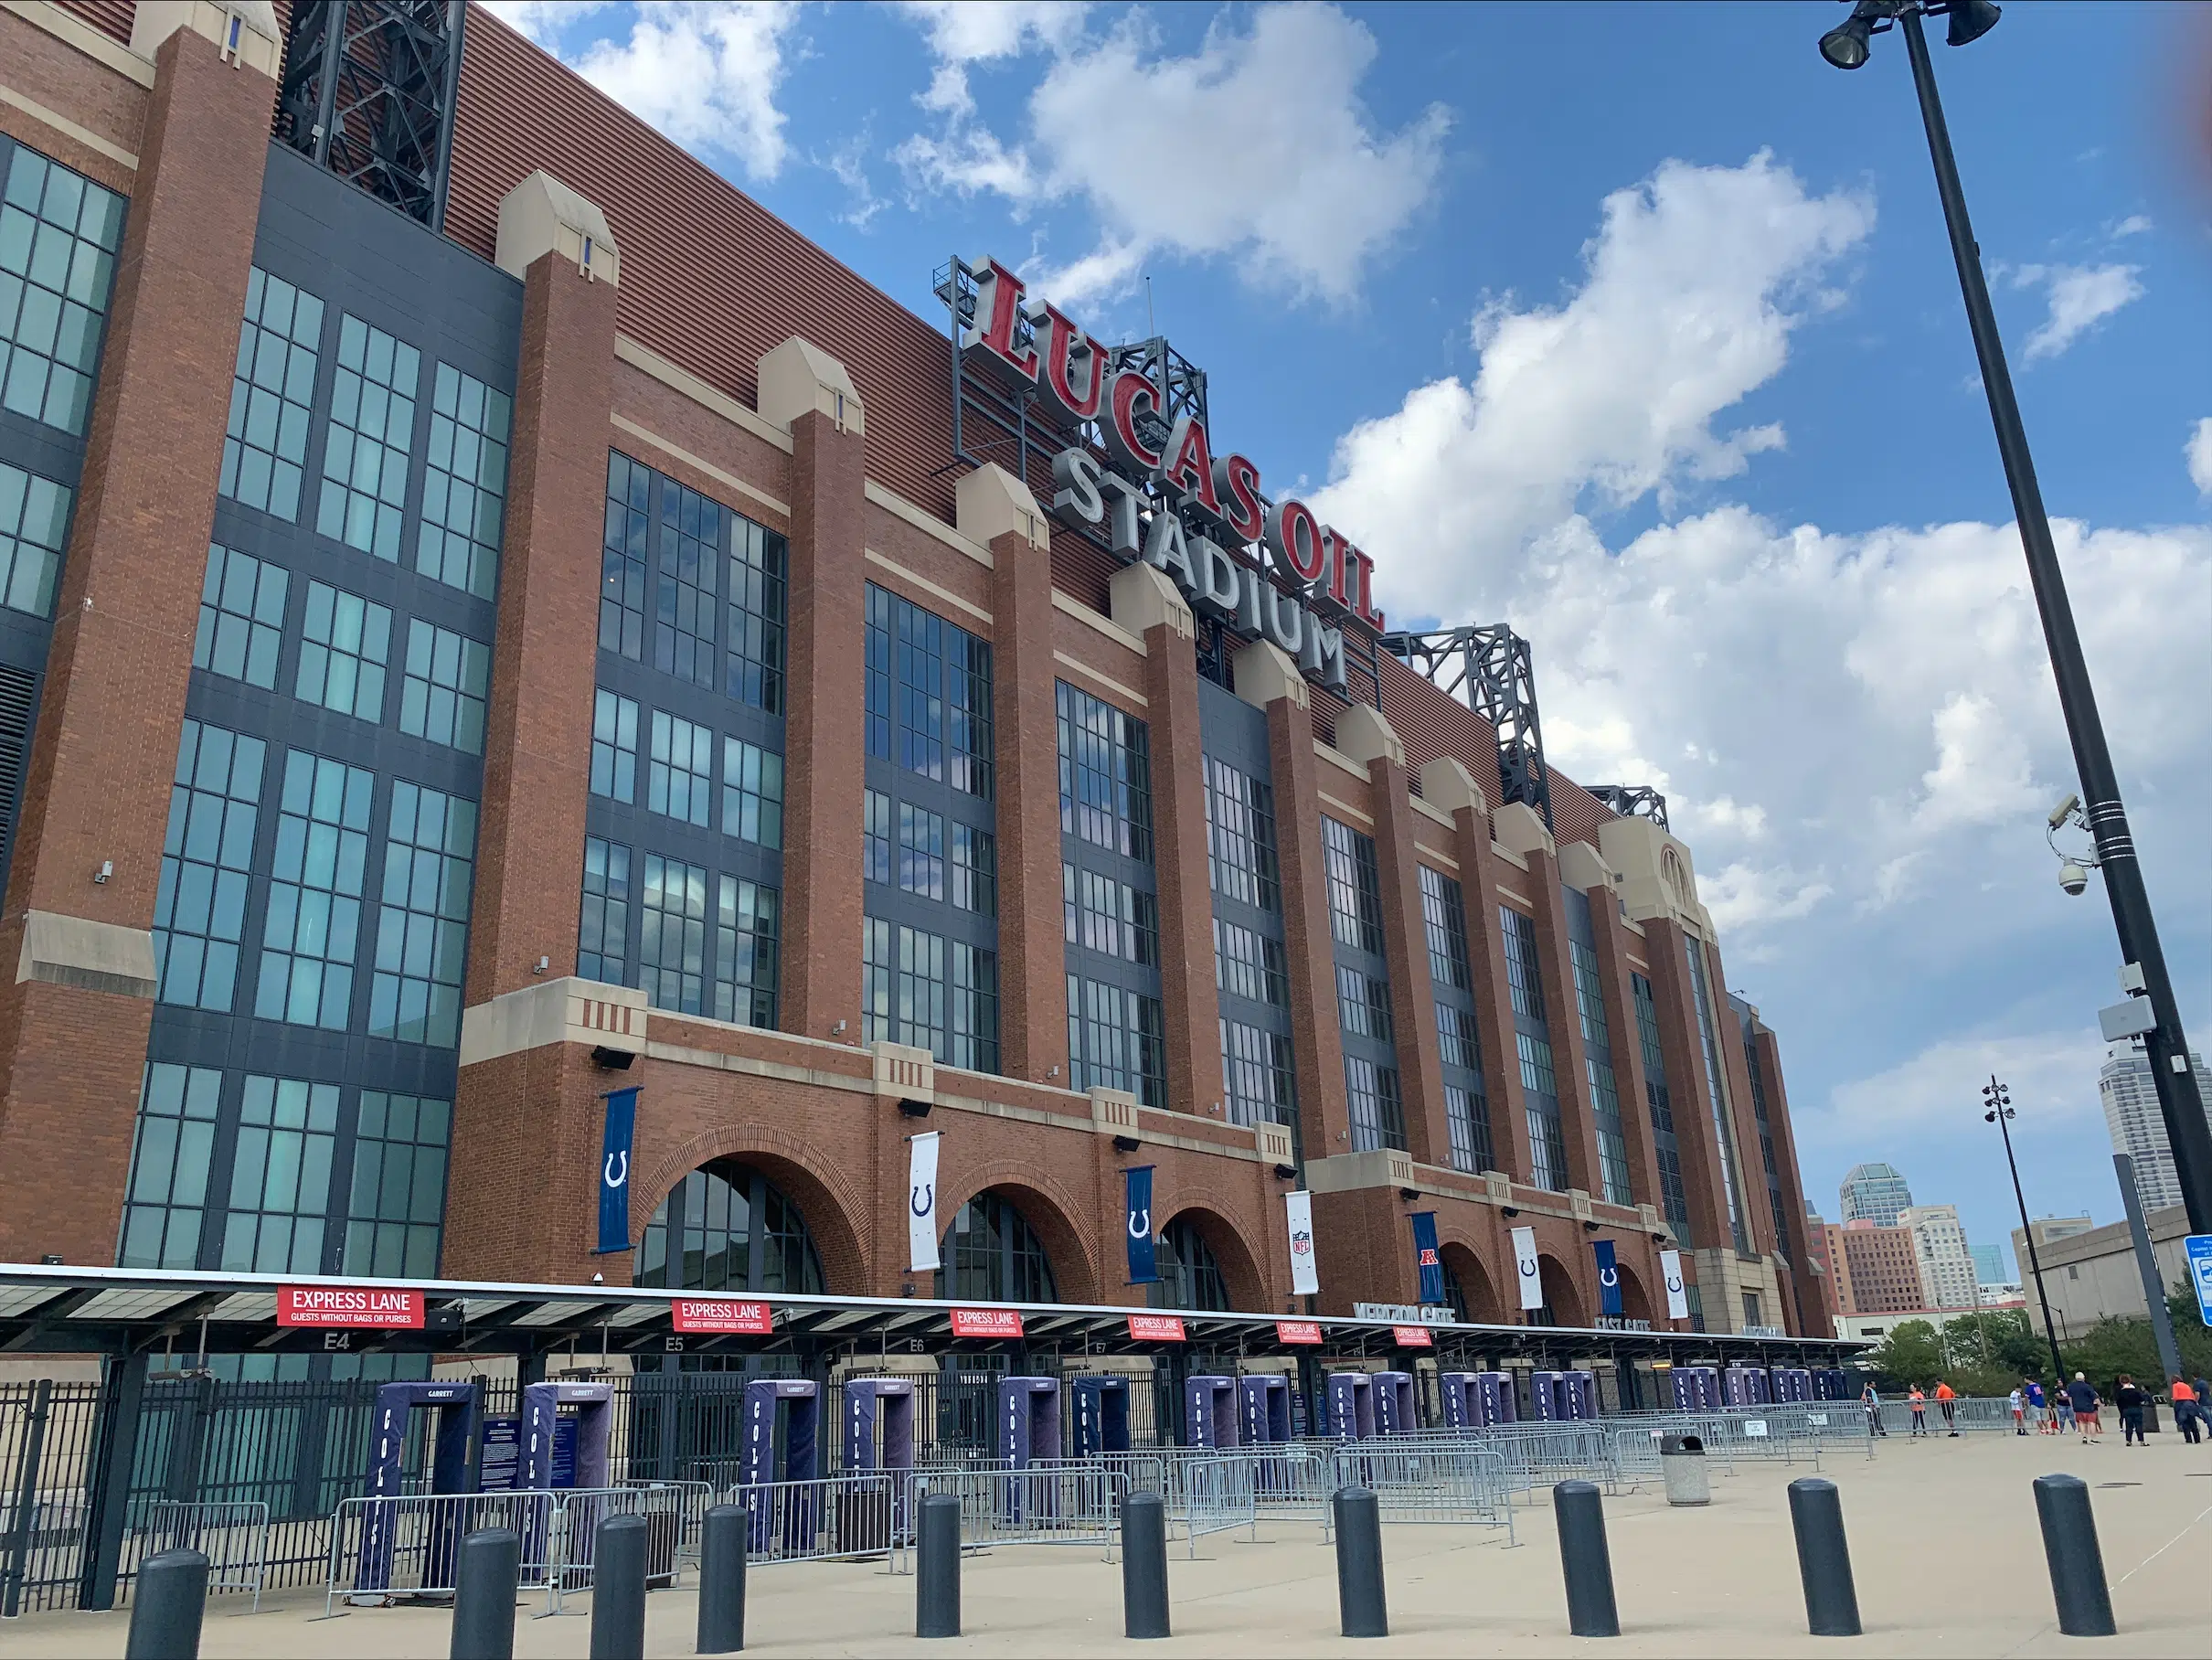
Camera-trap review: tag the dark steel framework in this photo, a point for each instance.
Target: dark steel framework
(1487, 665)
(998, 418)
(1632, 800)
(369, 93)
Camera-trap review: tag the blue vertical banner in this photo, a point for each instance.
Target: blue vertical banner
(1143, 1269)
(1609, 1279)
(1427, 1256)
(614, 1172)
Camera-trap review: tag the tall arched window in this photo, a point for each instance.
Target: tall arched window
(992, 1254)
(729, 1228)
(1190, 1275)
(1454, 1293)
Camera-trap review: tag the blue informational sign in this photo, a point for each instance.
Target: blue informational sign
(1609, 1279)
(614, 1171)
(1143, 1267)
(2199, 1249)
(1427, 1257)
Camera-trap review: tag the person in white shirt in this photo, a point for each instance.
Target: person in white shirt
(2019, 1406)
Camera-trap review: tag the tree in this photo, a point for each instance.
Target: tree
(1911, 1353)
(1997, 1341)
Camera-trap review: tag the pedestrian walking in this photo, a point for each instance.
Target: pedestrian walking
(2081, 1395)
(1873, 1403)
(2131, 1400)
(1945, 1395)
(2037, 1405)
(1919, 1403)
(2188, 1409)
(2018, 1402)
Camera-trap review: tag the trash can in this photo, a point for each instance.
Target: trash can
(1682, 1463)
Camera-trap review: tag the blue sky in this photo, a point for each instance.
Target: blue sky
(1636, 326)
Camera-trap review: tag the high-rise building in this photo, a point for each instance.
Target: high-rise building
(1878, 1269)
(1989, 1265)
(1874, 1193)
(2134, 1123)
(1938, 1246)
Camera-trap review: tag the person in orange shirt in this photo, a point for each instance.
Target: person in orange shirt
(1945, 1395)
(2187, 1410)
(1918, 1402)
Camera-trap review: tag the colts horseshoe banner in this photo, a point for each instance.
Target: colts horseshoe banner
(1677, 1299)
(922, 1203)
(614, 1171)
(1609, 1277)
(1143, 1269)
(1526, 1270)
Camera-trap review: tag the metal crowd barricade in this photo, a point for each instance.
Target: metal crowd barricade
(1463, 1484)
(691, 1527)
(578, 1513)
(831, 1519)
(234, 1538)
(409, 1545)
(1219, 1495)
(1066, 1503)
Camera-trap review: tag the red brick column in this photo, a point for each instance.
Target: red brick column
(1751, 1168)
(1805, 1301)
(1193, 1005)
(1316, 1043)
(1421, 1061)
(74, 1019)
(823, 737)
(537, 747)
(1570, 1055)
(1611, 938)
(1675, 1002)
(1032, 947)
(1478, 870)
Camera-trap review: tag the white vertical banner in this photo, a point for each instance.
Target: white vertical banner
(1677, 1299)
(1525, 1269)
(921, 1202)
(1306, 1280)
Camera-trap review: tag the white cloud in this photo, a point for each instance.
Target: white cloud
(1299, 188)
(706, 75)
(2052, 1078)
(2134, 225)
(2080, 297)
(2198, 450)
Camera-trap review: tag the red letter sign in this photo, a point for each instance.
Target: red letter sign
(1412, 1336)
(1298, 1331)
(375, 1307)
(1155, 1328)
(721, 1314)
(998, 306)
(986, 1323)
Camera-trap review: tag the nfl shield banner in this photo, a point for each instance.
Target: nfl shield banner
(922, 1203)
(1609, 1277)
(614, 1171)
(1677, 1299)
(1299, 1207)
(1143, 1271)
(1526, 1269)
(1427, 1257)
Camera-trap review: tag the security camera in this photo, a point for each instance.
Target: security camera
(2072, 877)
(2060, 814)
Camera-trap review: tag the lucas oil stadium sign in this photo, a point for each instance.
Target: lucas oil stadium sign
(1152, 487)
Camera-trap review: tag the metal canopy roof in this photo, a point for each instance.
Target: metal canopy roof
(117, 1311)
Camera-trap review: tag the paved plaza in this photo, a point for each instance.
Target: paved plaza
(1944, 1539)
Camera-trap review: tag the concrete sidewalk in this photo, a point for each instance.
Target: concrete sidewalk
(1943, 1538)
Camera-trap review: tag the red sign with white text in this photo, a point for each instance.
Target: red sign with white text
(986, 1323)
(1157, 1328)
(1298, 1331)
(1412, 1336)
(721, 1314)
(375, 1307)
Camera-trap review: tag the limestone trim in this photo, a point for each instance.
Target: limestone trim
(623, 423)
(1070, 606)
(682, 381)
(73, 31)
(991, 502)
(898, 506)
(1363, 734)
(935, 590)
(1346, 809)
(542, 215)
(798, 378)
(67, 128)
(91, 956)
(1134, 697)
(905, 1071)
(1339, 760)
(1438, 815)
(1518, 827)
(1447, 786)
(567, 1010)
(1142, 600)
(1263, 672)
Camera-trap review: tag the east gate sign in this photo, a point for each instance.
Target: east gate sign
(1299, 577)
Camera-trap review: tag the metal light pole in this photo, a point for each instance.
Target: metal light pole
(2001, 1114)
(2179, 1101)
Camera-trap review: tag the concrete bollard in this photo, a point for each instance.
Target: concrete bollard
(1579, 1512)
(484, 1595)
(167, 1604)
(1144, 1565)
(937, 1567)
(722, 1581)
(1823, 1558)
(1360, 1565)
(2077, 1565)
(618, 1588)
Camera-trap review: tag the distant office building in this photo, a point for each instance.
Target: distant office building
(1989, 1264)
(2007, 1293)
(2091, 1274)
(1878, 1268)
(1874, 1193)
(2137, 1128)
(2048, 1229)
(1939, 1246)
